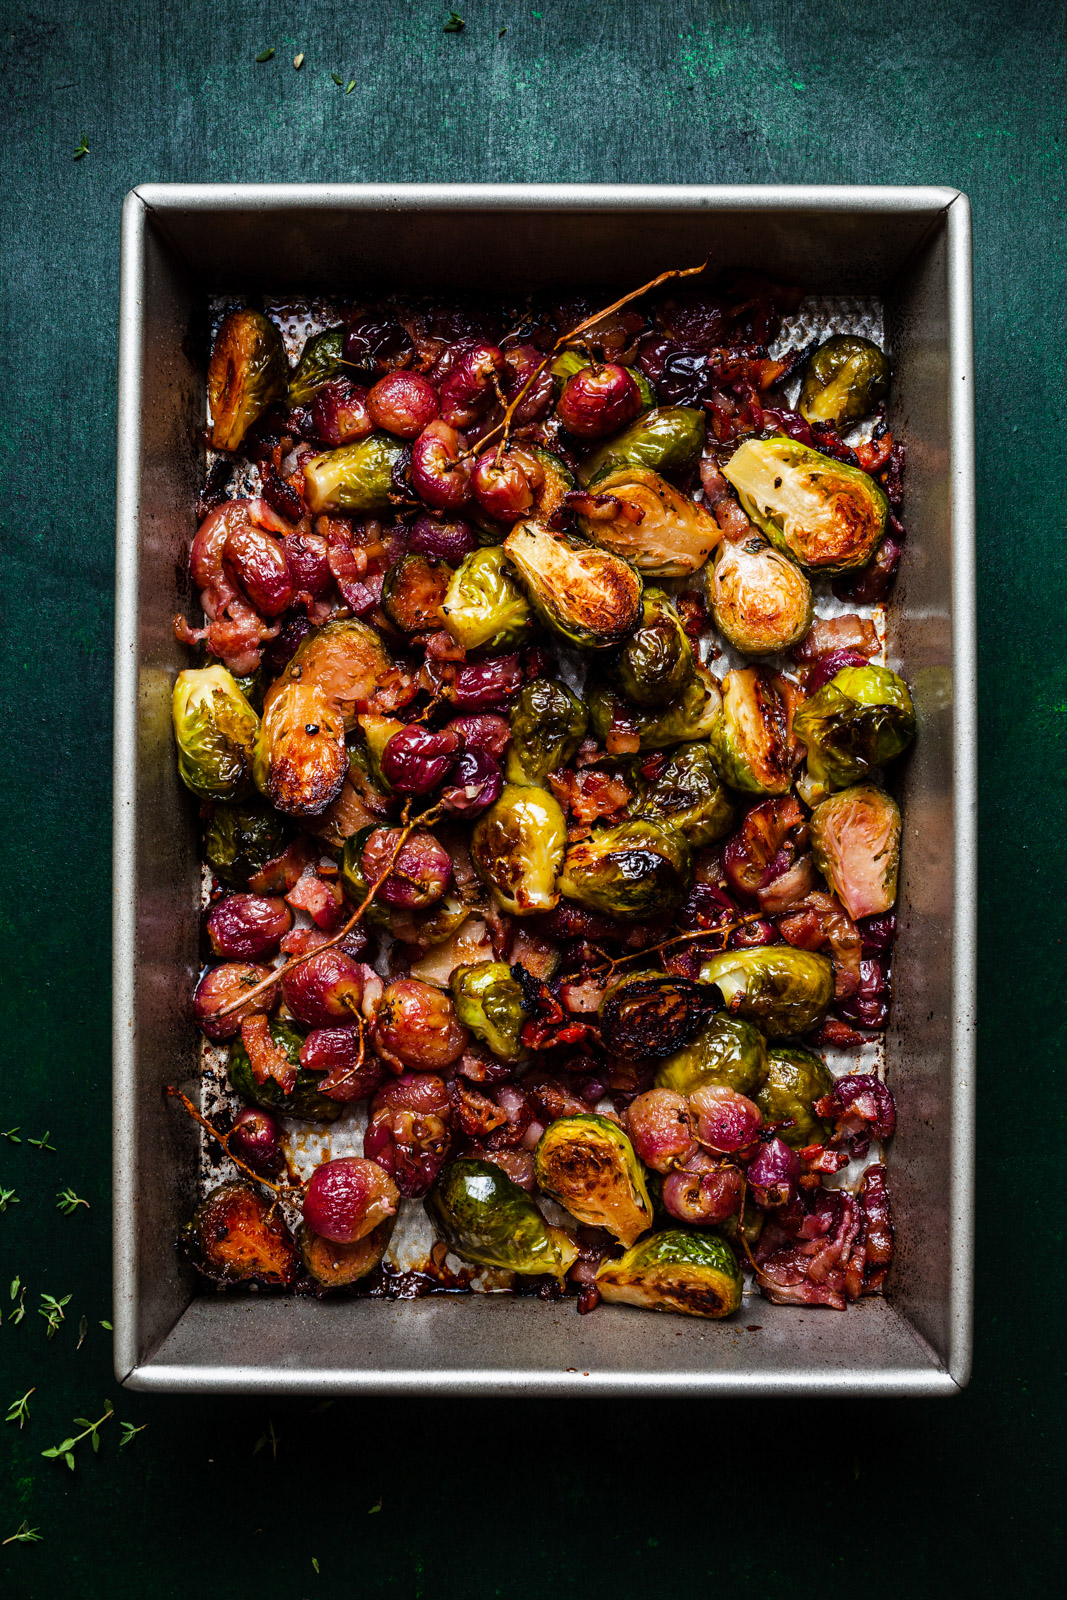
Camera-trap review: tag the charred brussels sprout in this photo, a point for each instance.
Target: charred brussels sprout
(484, 607)
(320, 360)
(761, 601)
(300, 761)
(694, 1272)
(844, 380)
(653, 1013)
(588, 596)
(486, 1218)
(729, 1051)
(235, 1237)
(240, 840)
(336, 1266)
(548, 723)
(826, 515)
(636, 869)
(215, 730)
(855, 723)
(246, 374)
(782, 990)
(414, 591)
(357, 478)
(517, 847)
(303, 1101)
(687, 794)
(750, 738)
(588, 1166)
(692, 715)
(557, 484)
(796, 1078)
(663, 440)
(489, 1001)
(347, 659)
(653, 525)
(855, 840)
(656, 662)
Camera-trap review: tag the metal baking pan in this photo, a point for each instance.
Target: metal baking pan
(182, 243)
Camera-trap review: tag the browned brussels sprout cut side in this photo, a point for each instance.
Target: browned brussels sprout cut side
(826, 515)
(237, 1238)
(694, 1272)
(645, 519)
(588, 1166)
(338, 1266)
(855, 840)
(247, 373)
(300, 759)
(588, 596)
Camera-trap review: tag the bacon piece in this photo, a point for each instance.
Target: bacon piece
(280, 874)
(820, 920)
(266, 1059)
(828, 635)
(591, 793)
(474, 1114)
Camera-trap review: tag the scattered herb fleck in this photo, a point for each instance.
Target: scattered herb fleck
(42, 1142)
(12, 1134)
(8, 1197)
(106, 1325)
(89, 1430)
(265, 55)
(267, 1441)
(338, 80)
(52, 1311)
(19, 1293)
(315, 1562)
(67, 1201)
(350, 85)
(82, 150)
(83, 1329)
(502, 32)
(298, 61)
(377, 1506)
(129, 1432)
(24, 1534)
(19, 1410)
(455, 23)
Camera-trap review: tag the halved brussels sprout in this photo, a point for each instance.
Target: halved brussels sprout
(826, 515)
(486, 1218)
(517, 847)
(357, 478)
(304, 1099)
(635, 869)
(215, 730)
(694, 1272)
(347, 659)
(246, 374)
(855, 840)
(354, 878)
(659, 529)
(588, 1166)
(300, 761)
(782, 990)
(414, 591)
(692, 715)
(656, 662)
(336, 1266)
(240, 840)
(855, 723)
(845, 379)
(377, 732)
(489, 1001)
(761, 601)
(662, 440)
(796, 1078)
(728, 1051)
(688, 794)
(588, 596)
(653, 1013)
(558, 482)
(548, 723)
(320, 360)
(235, 1237)
(750, 739)
(484, 608)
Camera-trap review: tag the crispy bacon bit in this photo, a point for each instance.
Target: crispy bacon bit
(828, 635)
(551, 1098)
(284, 871)
(323, 902)
(835, 1032)
(873, 454)
(591, 793)
(474, 1114)
(266, 1059)
(859, 1105)
(820, 920)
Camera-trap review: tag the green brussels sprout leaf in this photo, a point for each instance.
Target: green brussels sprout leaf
(484, 607)
(491, 1003)
(548, 723)
(664, 439)
(844, 381)
(728, 1051)
(855, 723)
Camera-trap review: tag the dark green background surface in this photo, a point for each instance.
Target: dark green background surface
(911, 1497)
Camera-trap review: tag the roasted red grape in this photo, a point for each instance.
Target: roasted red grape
(422, 871)
(416, 1026)
(247, 925)
(403, 403)
(256, 561)
(469, 386)
(220, 986)
(438, 476)
(486, 731)
(408, 1133)
(703, 1192)
(661, 1129)
(772, 1174)
(449, 539)
(336, 1052)
(308, 566)
(599, 400)
(502, 488)
(473, 784)
(725, 1120)
(346, 1199)
(486, 683)
(256, 1137)
(339, 412)
(376, 344)
(324, 989)
(416, 760)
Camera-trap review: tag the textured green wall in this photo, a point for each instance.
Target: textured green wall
(490, 1498)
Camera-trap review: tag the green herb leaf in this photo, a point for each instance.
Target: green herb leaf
(350, 85)
(68, 1202)
(455, 24)
(24, 1534)
(82, 150)
(19, 1410)
(42, 1142)
(106, 1325)
(52, 1311)
(264, 55)
(377, 1506)
(337, 78)
(502, 32)
(83, 1329)
(12, 1134)
(69, 1459)
(298, 61)
(130, 1432)
(8, 1197)
(315, 1562)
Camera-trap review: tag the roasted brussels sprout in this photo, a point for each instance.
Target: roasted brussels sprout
(635, 869)
(347, 659)
(336, 1266)
(489, 1001)
(855, 840)
(246, 374)
(414, 591)
(694, 1272)
(728, 1051)
(750, 739)
(796, 1078)
(517, 847)
(556, 485)
(692, 715)
(300, 761)
(235, 1237)
(303, 1101)
(548, 723)
(378, 733)
(761, 601)
(656, 662)
(588, 1166)
(826, 515)
(320, 360)
(687, 794)
(588, 596)
(486, 1218)
(782, 990)
(844, 380)
(857, 722)
(215, 730)
(358, 478)
(645, 519)
(653, 1013)
(484, 607)
(662, 440)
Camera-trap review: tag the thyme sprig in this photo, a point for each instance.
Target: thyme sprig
(23, 1534)
(8, 1197)
(12, 1134)
(90, 1430)
(19, 1410)
(68, 1202)
(129, 1433)
(42, 1143)
(53, 1313)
